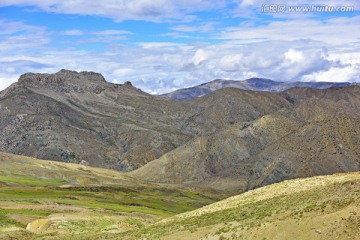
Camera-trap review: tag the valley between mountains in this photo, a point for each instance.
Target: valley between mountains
(128, 162)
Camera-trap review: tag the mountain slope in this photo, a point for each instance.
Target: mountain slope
(230, 139)
(109, 205)
(73, 116)
(70, 117)
(325, 207)
(318, 135)
(257, 84)
(63, 199)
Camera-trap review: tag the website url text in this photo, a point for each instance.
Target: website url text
(282, 8)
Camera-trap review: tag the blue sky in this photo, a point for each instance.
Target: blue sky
(163, 45)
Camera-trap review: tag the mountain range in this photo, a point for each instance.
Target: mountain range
(230, 139)
(256, 84)
(316, 134)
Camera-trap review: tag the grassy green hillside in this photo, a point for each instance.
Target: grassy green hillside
(70, 201)
(326, 207)
(62, 199)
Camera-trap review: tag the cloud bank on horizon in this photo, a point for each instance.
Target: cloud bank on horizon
(163, 45)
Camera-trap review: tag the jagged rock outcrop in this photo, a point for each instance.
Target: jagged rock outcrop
(64, 81)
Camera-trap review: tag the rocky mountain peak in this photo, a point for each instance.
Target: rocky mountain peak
(61, 76)
(128, 84)
(93, 76)
(88, 75)
(63, 81)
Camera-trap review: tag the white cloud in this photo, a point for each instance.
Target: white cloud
(111, 32)
(159, 45)
(120, 10)
(231, 62)
(331, 31)
(204, 27)
(122, 71)
(73, 32)
(6, 80)
(310, 50)
(334, 74)
(345, 57)
(200, 56)
(17, 36)
(241, 4)
(293, 56)
(297, 63)
(11, 27)
(159, 67)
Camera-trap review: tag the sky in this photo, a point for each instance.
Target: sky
(164, 45)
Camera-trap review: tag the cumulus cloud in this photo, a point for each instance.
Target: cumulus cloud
(334, 74)
(200, 56)
(231, 62)
(296, 63)
(163, 67)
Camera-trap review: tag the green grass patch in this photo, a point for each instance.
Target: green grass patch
(39, 213)
(161, 202)
(6, 221)
(31, 181)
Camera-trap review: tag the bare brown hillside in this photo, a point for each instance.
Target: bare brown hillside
(319, 134)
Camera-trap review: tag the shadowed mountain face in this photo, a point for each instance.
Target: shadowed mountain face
(256, 84)
(229, 139)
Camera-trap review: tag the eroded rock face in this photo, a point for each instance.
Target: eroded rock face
(92, 76)
(64, 81)
(128, 84)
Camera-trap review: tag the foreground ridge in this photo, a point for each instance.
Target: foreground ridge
(324, 207)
